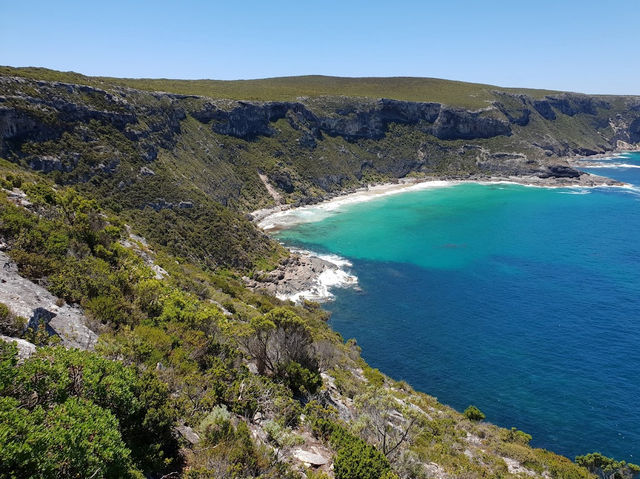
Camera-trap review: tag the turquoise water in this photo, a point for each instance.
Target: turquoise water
(523, 301)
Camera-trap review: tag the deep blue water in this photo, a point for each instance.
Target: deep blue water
(522, 301)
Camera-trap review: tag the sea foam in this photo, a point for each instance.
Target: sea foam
(326, 281)
(320, 211)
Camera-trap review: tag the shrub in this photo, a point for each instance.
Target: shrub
(321, 419)
(607, 467)
(109, 310)
(281, 436)
(299, 379)
(356, 459)
(139, 402)
(4, 312)
(216, 426)
(516, 436)
(10, 324)
(73, 439)
(282, 345)
(474, 414)
(229, 450)
(374, 376)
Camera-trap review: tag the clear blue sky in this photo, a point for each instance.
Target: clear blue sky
(589, 46)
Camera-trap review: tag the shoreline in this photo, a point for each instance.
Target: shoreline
(266, 218)
(307, 275)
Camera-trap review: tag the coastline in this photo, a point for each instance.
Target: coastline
(266, 218)
(307, 275)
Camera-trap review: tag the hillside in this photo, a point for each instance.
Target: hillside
(130, 207)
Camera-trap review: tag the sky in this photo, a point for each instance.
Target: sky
(587, 46)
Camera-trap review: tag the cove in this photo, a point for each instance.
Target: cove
(522, 301)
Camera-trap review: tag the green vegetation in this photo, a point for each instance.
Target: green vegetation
(169, 357)
(70, 439)
(68, 412)
(456, 93)
(11, 324)
(282, 346)
(474, 414)
(607, 467)
(356, 459)
(147, 322)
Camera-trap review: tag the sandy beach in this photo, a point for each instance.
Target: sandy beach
(283, 216)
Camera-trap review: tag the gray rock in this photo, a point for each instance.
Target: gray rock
(146, 171)
(351, 119)
(30, 300)
(160, 204)
(298, 277)
(311, 458)
(47, 164)
(189, 434)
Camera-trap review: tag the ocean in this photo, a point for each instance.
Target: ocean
(522, 301)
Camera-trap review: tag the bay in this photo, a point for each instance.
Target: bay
(522, 301)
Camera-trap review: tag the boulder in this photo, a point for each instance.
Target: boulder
(189, 434)
(32, 301)
(310, 458)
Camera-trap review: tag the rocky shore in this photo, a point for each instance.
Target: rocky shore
(304, 275)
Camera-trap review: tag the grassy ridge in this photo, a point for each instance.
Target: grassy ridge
(455, 93)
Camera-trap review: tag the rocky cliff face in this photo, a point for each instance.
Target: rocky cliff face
(352, 120)
(86, 134)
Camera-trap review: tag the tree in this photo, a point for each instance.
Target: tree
(282, 346)
(386, 422)
(474, 414)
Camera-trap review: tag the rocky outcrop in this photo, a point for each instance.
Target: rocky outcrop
(302, 276)
(188, 434)
(162, 204)
(572, 104)
(634, 131)
(454, 124)
(47, 164)
(513, 164)
(51, 108)
(29, 300)
(248, 119)
(315, 458)
(543, 107)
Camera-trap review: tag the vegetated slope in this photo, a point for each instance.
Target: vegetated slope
(98, 160)
(195, 376)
